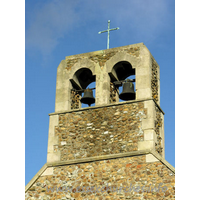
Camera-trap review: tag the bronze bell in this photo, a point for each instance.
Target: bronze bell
(128, 92)
(88, 97)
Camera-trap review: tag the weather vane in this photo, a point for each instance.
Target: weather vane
(108, 30)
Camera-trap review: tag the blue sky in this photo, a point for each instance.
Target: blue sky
(55, 29)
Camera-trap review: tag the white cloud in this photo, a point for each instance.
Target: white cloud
(55, 19)
(51, 22)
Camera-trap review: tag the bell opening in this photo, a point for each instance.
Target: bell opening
(88, 96)
(127, 90)
(120, 73)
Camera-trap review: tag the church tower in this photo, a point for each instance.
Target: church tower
(112, 149)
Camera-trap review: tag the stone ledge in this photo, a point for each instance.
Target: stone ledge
(98, 158)
(106, 105)
(158, 106)
(113, 156)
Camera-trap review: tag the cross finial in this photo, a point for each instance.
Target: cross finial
(108, 30)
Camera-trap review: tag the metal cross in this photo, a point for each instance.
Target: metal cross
(108, 32)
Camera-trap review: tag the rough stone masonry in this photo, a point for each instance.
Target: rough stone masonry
(101, 131)
(123, 178)
(113, 150)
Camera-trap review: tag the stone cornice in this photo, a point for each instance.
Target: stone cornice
(106, 105)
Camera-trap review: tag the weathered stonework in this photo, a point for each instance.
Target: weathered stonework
(134, 51)
(75, 100)
(71, 62)
(113, 93)
(115, 146)
(154, 80)
(101, 131)
(102, 58)
(158, 124)
(101, 65)
(122, 178)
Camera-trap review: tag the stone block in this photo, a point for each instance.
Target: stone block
(149, 135)
(143, 93)
(53, 157)
(148, 123)
(52, 139)
(151, 158)
(143, 81)
(48, 171)
(143, 71)
(142, 145)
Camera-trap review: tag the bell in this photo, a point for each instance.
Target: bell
(88, 97)
(128, 92)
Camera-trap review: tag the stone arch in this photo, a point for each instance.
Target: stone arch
(122, 70)
(83, 63)
(82, 74)
(66, 80)
(119, 67)
(82, 78)
(119, 57)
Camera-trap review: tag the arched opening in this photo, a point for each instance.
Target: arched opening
(121, 72)
(82, 79)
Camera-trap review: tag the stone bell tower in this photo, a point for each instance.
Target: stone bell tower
(143, 117)
(112, 143)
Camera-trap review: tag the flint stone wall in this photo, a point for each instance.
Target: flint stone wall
(102, 180)
(100, 131)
